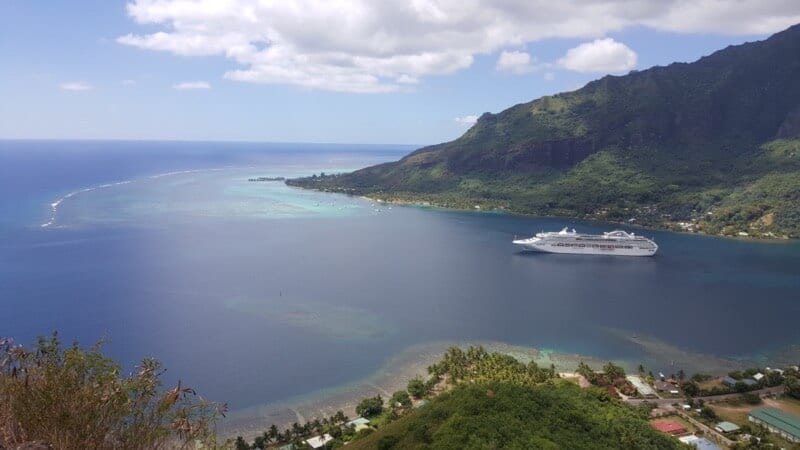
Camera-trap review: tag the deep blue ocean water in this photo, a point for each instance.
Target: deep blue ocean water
(257, 292)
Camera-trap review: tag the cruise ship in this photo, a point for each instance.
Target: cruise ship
(615, 242)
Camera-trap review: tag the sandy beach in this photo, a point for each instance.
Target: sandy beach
(413, 361)
(393, 376)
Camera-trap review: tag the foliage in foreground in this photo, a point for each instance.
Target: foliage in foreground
(553, 415)
(75, 398)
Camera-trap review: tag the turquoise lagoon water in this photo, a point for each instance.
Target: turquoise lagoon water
(255, 292)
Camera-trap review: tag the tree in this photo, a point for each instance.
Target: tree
(751, 398)
(640, 369)
(260, 442)
(701, 377)
(792, 384)
(272, 433)
(400, 398)
(690, 388)
(748, 373)
(416, 387)
(370, 407)
(584, 370)
(614, 371)
(681, 375)
(77, 398)
(241, 444)
(340, 417)
(708, 413)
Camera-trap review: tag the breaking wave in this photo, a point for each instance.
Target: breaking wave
(54, 206)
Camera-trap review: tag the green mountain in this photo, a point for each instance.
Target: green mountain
(507, 415)
(712, 145)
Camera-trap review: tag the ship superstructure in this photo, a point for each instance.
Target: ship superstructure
(615, 242)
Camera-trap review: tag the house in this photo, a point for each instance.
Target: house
(643, 388)
(668, 426)
(779, 422)
(726, 427)
(758, 376)
(730, 382)
(358, 424)
(663, 386)
(699, 443)
(319, 441)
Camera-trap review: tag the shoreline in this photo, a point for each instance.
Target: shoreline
(413, 361)
(392, 376)
(433, 205)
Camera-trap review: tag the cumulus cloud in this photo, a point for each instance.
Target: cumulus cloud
(601, 55)
(380, 46)
(514, 62)
(467, 120)
(191, 85)
(75, 86)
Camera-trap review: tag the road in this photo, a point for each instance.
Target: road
(777, 390)
(709, 432)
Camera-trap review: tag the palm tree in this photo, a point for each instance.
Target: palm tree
(273, 432)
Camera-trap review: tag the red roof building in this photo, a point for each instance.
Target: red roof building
(668, 426)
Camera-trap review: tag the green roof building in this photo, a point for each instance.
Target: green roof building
(726, 427)
(779, 422)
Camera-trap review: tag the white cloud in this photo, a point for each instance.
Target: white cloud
(549, 76)
(467, 120)
(514, 62)
(191, 85)
(129, 82)
(406, 79)
(378, 46)
(601, 55)
(75, 86)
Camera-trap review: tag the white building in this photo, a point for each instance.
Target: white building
(319, 441)
(645, 390)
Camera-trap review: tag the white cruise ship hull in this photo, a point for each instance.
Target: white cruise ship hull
(588, 245)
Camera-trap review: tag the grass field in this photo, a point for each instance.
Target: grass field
(786, 404)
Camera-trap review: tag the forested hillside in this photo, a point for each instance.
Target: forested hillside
(711, 146)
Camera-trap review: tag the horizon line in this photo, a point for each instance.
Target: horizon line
(220, 141)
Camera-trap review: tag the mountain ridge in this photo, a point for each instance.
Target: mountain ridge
(660, 147)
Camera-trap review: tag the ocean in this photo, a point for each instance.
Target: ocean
(255, 292)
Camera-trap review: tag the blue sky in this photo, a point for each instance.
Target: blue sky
(341, 71)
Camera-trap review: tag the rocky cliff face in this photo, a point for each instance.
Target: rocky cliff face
(673, 141)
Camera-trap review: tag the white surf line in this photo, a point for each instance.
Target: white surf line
(54, 206)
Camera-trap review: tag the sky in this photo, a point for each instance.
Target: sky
(341, 71)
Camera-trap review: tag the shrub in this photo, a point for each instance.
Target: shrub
(370, 407)
(75, 398)
(416, 387)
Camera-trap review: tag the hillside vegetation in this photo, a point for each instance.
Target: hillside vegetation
(497, 415)
(712, 146)
(75, 398)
